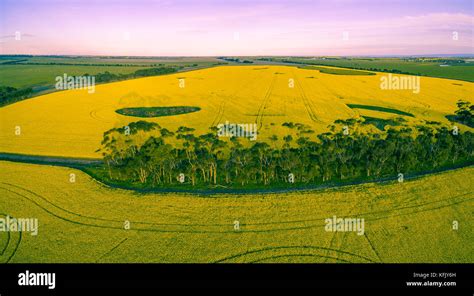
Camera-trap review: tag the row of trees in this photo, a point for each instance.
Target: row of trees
(147, 154)
(110, 77)
(10, 95)
(236, 60)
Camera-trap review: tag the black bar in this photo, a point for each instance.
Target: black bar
(94, 277)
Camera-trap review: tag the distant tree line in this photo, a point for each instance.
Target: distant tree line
(27, 62)
(12, 62)
(451, 61)
(110, 77)
(236, 60)
(148, 155)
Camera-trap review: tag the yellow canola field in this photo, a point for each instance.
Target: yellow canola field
(71, 123)
(85, 222)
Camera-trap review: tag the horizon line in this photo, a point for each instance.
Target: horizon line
(217, 56)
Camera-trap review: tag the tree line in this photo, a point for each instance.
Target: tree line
(110, 77)
(148, 155)
(10, 95)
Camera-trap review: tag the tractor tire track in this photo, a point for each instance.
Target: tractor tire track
(307, 104)
(299, 255)
(76, 219)
(119, 222)
(349, 213)
(372, 247)
(111, 250)
(16, 247)
(263, 105)
(222, 105)
(8, 238)
(9, 243)
(98, 218)
(219, 113)
(266, 249)
(273, 229)
(6, 244)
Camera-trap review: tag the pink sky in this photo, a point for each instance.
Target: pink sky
(209, 28)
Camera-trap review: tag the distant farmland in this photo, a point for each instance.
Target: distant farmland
(435, 67)
(237, 94)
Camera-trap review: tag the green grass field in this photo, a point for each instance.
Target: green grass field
(41, 71)
(41, 75)
(85, 222)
